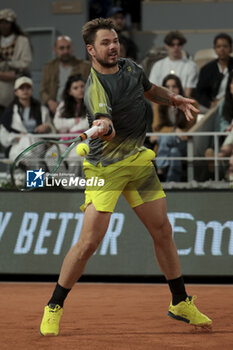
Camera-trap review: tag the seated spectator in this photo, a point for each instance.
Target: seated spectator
(71, 116)
(56, 72)
(22, 119)
(223, 119)
(224, 113)
(213, 76)
(169, 119)
(71, 112)
(15, 55)
(176, 64)
(227, 151)
(118, 17)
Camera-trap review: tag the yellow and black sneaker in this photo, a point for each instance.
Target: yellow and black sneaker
(187, 312)
(50, 321)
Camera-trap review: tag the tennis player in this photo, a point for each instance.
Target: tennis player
(114, 97)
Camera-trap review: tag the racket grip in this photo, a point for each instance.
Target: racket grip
(91, 131)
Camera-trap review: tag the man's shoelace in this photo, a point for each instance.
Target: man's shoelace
(52, 314)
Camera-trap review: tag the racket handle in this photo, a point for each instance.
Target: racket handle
(88, 133)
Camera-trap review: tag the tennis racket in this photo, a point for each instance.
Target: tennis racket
(43, 158)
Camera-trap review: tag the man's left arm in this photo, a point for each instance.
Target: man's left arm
(163, 96)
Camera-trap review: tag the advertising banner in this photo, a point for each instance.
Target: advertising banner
(38, 228)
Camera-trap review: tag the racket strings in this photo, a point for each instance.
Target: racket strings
(44, 156)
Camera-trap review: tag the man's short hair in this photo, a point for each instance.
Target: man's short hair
(90, 29)
(223, 36)
(174, 35)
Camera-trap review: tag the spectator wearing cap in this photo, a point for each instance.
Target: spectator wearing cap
(23, 118)
(117, 15)
(56, 72)
(176, 64)
(15, 55)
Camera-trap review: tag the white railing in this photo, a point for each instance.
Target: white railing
(190, 158)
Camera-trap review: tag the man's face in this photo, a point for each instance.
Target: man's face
(175, 49)
(119, 21)
(63, 49)
(5, 27)
(222, 48)
(106, 48)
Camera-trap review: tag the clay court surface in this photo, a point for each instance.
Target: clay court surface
(113, 316)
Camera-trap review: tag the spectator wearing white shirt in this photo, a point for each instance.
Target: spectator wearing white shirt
(175, 64)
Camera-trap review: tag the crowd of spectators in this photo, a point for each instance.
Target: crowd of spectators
(210, 87)
(61, 108)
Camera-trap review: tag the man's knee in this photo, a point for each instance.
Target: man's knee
(86, 248)
(162, 232)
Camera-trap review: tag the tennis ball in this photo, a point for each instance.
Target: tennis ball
(82, 149)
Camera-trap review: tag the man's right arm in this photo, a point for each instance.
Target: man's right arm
(99, 107)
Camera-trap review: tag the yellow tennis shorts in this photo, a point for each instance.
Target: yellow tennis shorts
(134, 176)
